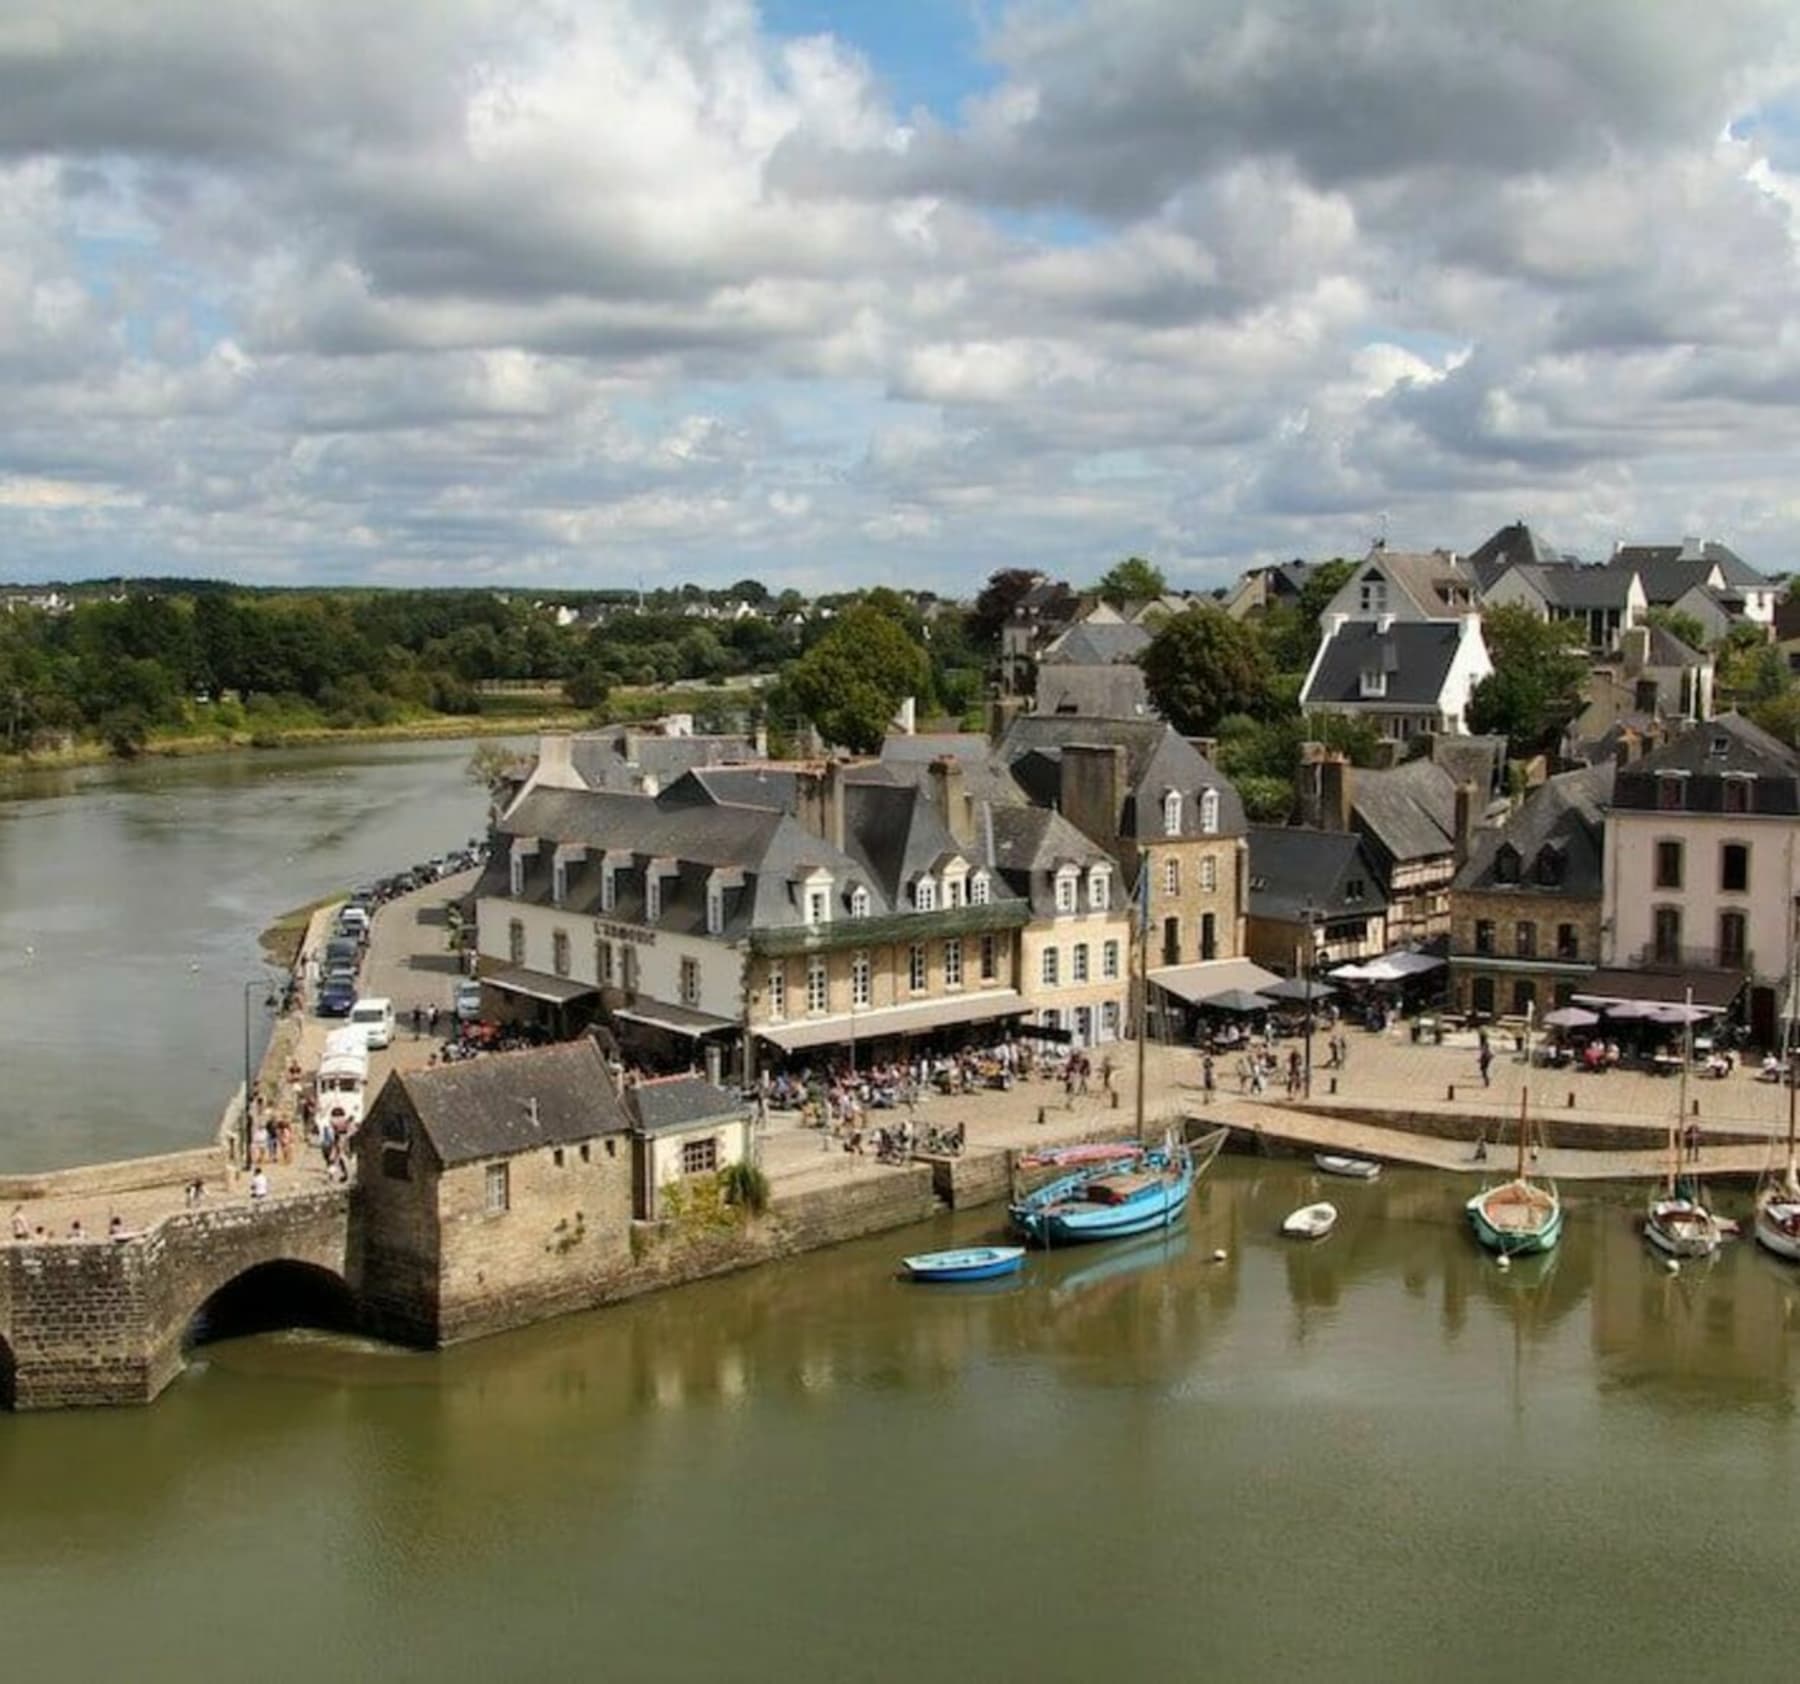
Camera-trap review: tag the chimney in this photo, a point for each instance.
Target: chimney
(1463, 823)
(1093, 789)
(555, 762)
(832, 798)
(1206, 747)
(1634, 648)
(1384, 623)
(1336, 792)
(951, 798)
(1627, 748)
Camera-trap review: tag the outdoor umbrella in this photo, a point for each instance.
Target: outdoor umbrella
(1352, 973)
(1679, 1016)
(1292, 988)
(1235, 1000)
(1626, 1010)
(1570, 1017)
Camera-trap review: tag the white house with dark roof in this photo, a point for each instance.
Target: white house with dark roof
(1605, 602)
(1408, 678)
(1672, 573)
(1402, 585)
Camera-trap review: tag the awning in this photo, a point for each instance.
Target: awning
(1713, 989)
(1390, 967)
(535, 985)
(1194, 983)
(893, 1020)
(678, 1020)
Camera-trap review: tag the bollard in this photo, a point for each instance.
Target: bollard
(1696, 1107)
(1451, 1093)
(1334, 1084)
(1571, 1101)
(1040, 1116)
(1115, 1099)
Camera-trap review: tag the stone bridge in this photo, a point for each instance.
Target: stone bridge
(106, 1321)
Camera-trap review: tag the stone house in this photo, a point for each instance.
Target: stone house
(491, 1193)
(1525, 910)
(1313, 892)
(1653, 677)
(683, 1129)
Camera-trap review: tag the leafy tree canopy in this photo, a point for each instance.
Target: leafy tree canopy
(851, 682)
(1540, 672)
(1204, 665)
(1683, 626)
(1132, 580)
(996, 601)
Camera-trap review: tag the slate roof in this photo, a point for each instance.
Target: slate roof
(1415, 654)
(1291, 867)
(619, 760)
(1702, 756)
(1029, 843)
(1435, 579)
(1111, 692)
(1581, 588)
(1410, 811)
(1157, 758)
(1473, 760)
(1091, 644)
(1671, 570)
(485, 1108)
(679, 1102)
(1512, 546)
(1566, 814)
(1667, 650)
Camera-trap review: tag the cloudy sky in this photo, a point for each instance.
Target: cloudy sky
(565, 293)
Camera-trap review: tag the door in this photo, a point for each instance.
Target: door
(1084, 1026)
(1171, 941)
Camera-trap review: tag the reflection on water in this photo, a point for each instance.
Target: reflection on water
(131, 898)
(1132, 1458)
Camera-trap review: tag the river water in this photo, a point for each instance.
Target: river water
(1374, 1458)
(131, 898)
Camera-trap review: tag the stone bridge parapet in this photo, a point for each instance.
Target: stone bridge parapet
(103, 1321)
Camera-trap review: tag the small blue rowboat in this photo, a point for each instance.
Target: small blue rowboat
(972, 1263)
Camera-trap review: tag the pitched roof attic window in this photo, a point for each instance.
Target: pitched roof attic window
(1209, 812)
(925, 895)
(1374, 682)
(978, 889)
(715, 908)
(859, 902)
(1172, 813)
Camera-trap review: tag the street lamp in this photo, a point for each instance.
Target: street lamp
(268, 1005)
(1306, 971)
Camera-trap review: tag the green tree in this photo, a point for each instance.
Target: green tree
(1540, 672)
(1202, 666)
(851, 682)
(1132, 580)
(1683, 626)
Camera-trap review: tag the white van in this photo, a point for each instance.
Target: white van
(375, 1018)
(343, 1078)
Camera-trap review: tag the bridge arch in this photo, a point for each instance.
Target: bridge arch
(269, 1295)
(9, 1375)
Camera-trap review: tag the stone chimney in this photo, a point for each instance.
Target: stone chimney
(819, 801)
(1206, 747)
(1093, 789)
(1336, 787)
(555, 762)
(1467, 806)
(1634, 649)
(950, 796)
(1627, 748)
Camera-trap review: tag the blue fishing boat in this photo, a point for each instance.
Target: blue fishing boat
(1112, 1201)
(971, 1263)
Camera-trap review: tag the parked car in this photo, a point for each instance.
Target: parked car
(336, 996)
(353, 921)
(375, 1017)
(342, 950)
(468, 1001)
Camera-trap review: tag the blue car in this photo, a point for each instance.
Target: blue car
(336, 997)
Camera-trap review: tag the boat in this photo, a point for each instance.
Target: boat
(1311, 1222)
(1352, 1169)
(971, 1263)
(1520, 1216)
(1777, 1224)
(1112, 1201)
(1677, 1223)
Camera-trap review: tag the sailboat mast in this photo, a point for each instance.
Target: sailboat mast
(1143, 970)
(1787, 1033)
(1681, 1104)
(1525, 1091)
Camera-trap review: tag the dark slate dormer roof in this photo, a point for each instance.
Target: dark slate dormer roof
(1512, 546)
(1566, 816)
(1415, 654)
(1290, 866)
(1030, 843)
(1410, 812)
(485, 1108)
(679, 1102)
(1096, 645)
(1578, 589)
(1702, 756)
(1666, 570)
(1477, 760)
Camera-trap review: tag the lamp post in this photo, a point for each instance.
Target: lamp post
(1306, 971)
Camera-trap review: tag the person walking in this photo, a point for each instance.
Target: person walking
(1483, 1060)
(1206, 1078)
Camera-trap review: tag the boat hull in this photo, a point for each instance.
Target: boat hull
(1679, 1228)
(1313, 1222)
(1515, 1239)
(980, 1263)
(1775, 1236)
(1119, 1222)
(1350, 1169)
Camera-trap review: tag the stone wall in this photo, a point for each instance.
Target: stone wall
(99, 1182)
(1506, 909)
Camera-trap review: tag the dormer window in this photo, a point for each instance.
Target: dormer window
(956, 884)
(652, 895)
(559, 881)
(925, 895)
(609, 885)
(1372, 597)
(859, 902)
(1671, 793)
(978, 889)
(1736, 793)
(1374, 682)
(1209, 812)
(1550, 865)
(1172, 813)
(1065, 889)
(715, 907)
(1506, 864)
(815, 902)
(1099, 889)
(516, 880)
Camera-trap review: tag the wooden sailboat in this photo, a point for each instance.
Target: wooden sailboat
(1677, 1223)
(1778, 1202)
(1520, 1216)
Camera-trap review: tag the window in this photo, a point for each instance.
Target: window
(1373, 682)
(925, 895)
(715, 908)
(1109, 961)
(1372, 596)
(1481, 996)
(1665, 942)
(1209, 812)
(953, 964)
(818, 985)
(628, 969)
(690, 982)
(915, 967)
(586, 1153)
(956, 891)
(1209, 875)
(1568, 942)
(859, 902)
(777, 993)
(1109, 1020)
(1099, 889)
(978, 889)
(559, 952)
(1734, 868)
(1524, 996)
(1550, 865)
(556, 1157)
(1065, 891)
(1172, 813)
(1525, 939)
(515, 942)
(1668, 865)
(1734, 940)
(559, 881)
(1078, 963)
(988, 956)
(1052, 962)
(516, 878)
(1506, 864)
(609, 886)
(603, 963)
(1209, 936)
(652, 896)
(1171, 876)
(1671, 794)
(1737, 795)
(700, 1157)
(859, 980)
(818, 905)
(499, 1189)
(1171, 941)
(1484, 935)
(1353, 888)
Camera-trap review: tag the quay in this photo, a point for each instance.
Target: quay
(98, 1320)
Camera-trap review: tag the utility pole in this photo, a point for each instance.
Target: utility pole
(1306, 971)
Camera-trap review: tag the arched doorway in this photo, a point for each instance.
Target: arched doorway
(9, 1376)
(271, 1296)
